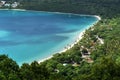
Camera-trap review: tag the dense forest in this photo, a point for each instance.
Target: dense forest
(105, 8)
(95, 57)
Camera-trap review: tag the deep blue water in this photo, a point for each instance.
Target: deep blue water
(26, 36)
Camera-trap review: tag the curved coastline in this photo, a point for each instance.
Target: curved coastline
(96, 16)
(78, 38)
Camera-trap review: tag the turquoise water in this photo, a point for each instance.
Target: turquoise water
(26, 36)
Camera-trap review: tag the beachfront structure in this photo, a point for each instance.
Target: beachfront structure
(2, 3)
(14, 5)
(7, 5)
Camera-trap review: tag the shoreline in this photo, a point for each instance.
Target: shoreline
(67, 47)
(96, 16)
(15, 9)
(80, 36)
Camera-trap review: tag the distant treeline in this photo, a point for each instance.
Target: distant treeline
(105, 8)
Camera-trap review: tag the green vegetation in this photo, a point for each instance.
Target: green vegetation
(104, 8)
(95, 57)
(103, 63)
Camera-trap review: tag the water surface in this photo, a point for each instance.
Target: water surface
(26, 36)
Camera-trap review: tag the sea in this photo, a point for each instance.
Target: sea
(26, 36)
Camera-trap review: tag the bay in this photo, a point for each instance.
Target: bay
(26, 36)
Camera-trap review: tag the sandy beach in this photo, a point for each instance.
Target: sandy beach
(76, 41)
(68, 45)
(14, 9)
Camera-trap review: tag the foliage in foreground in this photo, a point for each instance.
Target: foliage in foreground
(70, 65)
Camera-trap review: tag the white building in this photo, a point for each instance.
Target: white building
(15, 4)
(2, 3)
(7, 5)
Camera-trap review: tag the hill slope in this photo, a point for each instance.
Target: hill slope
(102, 42)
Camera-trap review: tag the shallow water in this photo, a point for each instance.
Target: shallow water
(26, 36)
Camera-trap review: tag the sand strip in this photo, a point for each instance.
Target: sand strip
(80, 36)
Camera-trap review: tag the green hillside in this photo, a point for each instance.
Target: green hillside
(95, 57)
(106, 8)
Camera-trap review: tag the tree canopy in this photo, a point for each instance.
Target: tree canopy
(103, 60)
